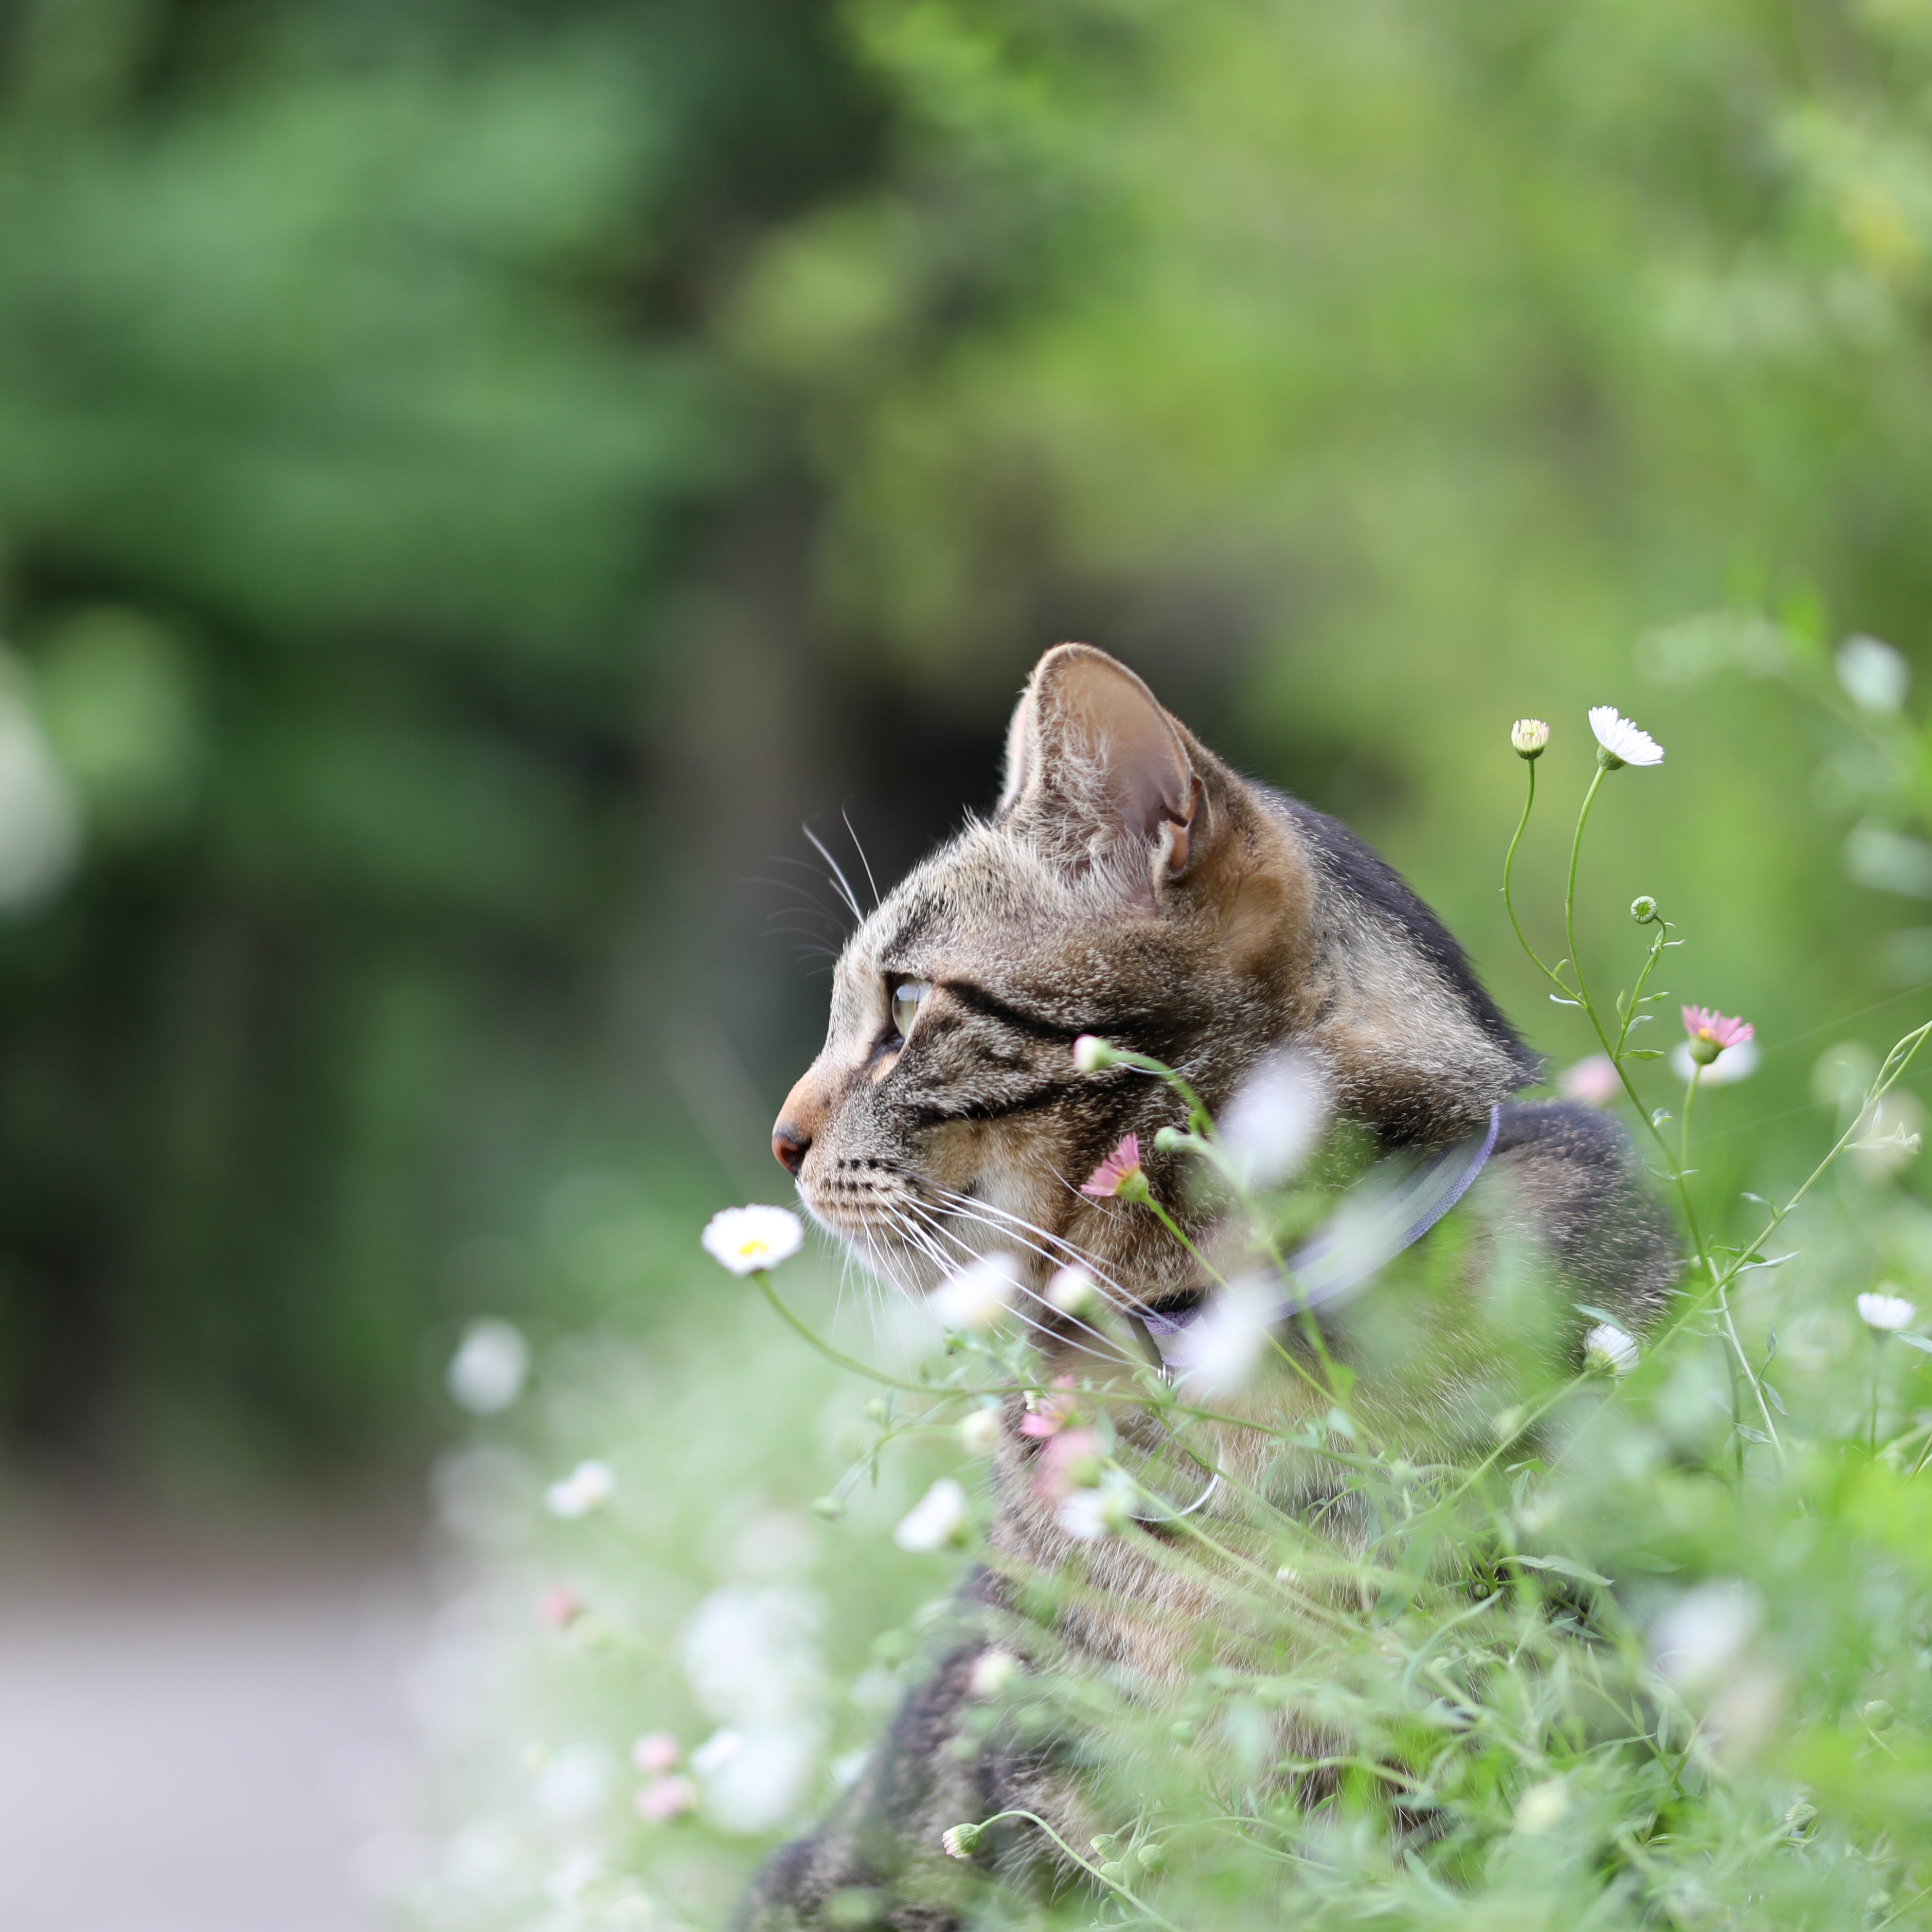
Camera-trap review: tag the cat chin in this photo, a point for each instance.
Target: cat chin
(879, 1249)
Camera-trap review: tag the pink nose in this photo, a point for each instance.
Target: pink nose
(790, 1147)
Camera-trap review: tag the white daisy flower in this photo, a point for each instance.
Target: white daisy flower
(747, 1239)
(978, 1295)
(1072, 1291)
(1088, 1514)
(589, 1486)
(1623, 742)
(993, 1673)
(1606, 1346)
(1700, 1639)
(1276, 1114)
(1886, 1313)
(1218, 1353)
(1091, 1054)
(1529, 736)
(980, 1432)
(717, 1751)
(1873, 676)
(486, 1374)
(1542, 1807)
(935, 1520)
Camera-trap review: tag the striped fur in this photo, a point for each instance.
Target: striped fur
(1131, 885)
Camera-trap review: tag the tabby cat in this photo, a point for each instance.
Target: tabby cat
(1130, 885)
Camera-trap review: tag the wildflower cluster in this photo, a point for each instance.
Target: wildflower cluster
(1627, 1628)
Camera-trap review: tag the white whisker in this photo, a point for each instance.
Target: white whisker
(851, 898)
(1109, 1350)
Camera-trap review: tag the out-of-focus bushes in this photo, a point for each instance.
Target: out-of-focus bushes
(354, 431)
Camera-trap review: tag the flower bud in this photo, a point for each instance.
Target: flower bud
(1529, 736)
(1607, 1347)
(961, 1841)
(1643, 908)
(1091, 1053)
(980, 1432)
(993, 1673)
(1072, 1291)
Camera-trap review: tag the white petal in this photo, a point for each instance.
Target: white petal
(1874, 677)
(1218, 1351)
(588, 1486)
(1735, 1062)
(746, 1239)
(1623, 740)
(978, 1295)
(1703, 1633)
(933, 1521)
(486, 1374)
(1274, 1117)
(1608, 1344)
(1887, 1313)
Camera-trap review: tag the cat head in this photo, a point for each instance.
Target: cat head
(1128, 885)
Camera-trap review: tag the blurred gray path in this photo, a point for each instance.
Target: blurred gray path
(201, 1735)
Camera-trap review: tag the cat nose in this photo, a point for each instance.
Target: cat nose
(790, 1145)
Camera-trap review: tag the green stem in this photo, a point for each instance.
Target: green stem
(852, 1363)
(1657, 946)
(1143, 1196)
(1569, 899)
(1676, 1166)
(1897, 1062)
(1509, 904)
(1092, 1870)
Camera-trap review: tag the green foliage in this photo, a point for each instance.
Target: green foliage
(353, 423)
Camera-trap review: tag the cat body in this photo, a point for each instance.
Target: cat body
(1132, 886)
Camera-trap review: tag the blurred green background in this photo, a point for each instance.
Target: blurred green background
(475, 477)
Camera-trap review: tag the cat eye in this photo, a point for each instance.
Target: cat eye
(906, 998)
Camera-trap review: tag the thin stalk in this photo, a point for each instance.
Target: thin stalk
(1092, 1870)
(763, 1277)
(1509, 904)
(1897, 1062)
(1656, 953)
(1676, 1166)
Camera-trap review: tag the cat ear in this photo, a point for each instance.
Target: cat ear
(1096, 772)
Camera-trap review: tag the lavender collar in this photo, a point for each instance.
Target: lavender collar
(1390, 1208)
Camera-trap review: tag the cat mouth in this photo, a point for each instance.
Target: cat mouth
(912, 1242)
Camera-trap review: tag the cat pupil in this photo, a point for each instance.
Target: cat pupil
(905, 1005)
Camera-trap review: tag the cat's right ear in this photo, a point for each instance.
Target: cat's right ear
(1098, 777)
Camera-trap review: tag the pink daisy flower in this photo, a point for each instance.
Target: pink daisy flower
(1117, 1172)
(1070, 1461)
(1710, 1032)
(559, 1607)
(1054, 1412)
(665, 1798)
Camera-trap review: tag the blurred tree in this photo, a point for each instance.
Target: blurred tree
(355, 432)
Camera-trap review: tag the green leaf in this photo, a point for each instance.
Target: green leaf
(1561, 1566)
